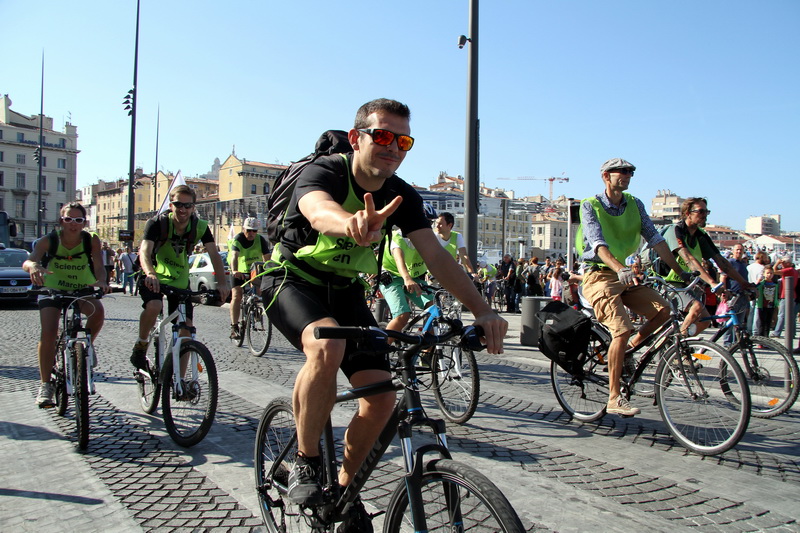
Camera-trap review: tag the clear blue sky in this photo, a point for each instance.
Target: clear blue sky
(702, 96)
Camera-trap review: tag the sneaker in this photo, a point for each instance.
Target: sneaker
(235, 334)
(357, 520)
(45, 398)
(139, 356)
(304, 486)
(621, 406)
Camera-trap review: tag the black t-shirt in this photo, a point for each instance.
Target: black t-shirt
(152, 232)
(329, 174)
(682, 238)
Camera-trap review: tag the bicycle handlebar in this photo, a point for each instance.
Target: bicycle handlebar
(85, 292)
(470, 335)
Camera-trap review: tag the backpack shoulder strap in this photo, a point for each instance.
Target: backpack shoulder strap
(87, 248)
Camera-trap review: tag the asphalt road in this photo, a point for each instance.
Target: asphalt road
(561, 475)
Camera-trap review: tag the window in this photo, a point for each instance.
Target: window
(59, 207)
(44, 161)
(62, 143)
(20, 180)
(1, 154)
(253, 189)
(20, 137)
(61, 186)
(2, 179)
(20, 208)
(230, 186)
(20, 159)
(62, 163)
(44, 183)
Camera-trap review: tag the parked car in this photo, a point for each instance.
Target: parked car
(201, 275)
(14, 281)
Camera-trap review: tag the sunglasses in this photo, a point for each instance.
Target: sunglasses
(185, 205)
(701, 211)
(623, 171)
(251, 230)
(78, 220)
(385, 138)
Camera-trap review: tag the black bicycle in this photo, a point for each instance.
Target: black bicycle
(181, 373)
(254, 324)
(435, 494)
(453, 369)
(700, 390)
(75, 357)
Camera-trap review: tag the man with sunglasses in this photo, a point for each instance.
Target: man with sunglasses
(690, 244)
(342, 206)
(168, 240)
(246, 248)
(613, 224)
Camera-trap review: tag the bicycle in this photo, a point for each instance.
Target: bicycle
(499, 296)
(706, 409)
(441, 492)
(254, 324)
(455, 379)
(73, 373)
(772, 372)
(186, 382)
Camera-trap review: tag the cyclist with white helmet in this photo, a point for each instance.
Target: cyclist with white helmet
(245, 249)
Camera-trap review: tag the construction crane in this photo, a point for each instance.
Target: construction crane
(551, 179)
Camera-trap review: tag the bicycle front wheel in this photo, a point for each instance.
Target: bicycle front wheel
(772, 375)
(583, 396)
(189, 412)
(456, 382)
(148, 384)
(259, 330)
(276, 433)
(60, 382)
(80, 389)
(456, 497)
(703, 397)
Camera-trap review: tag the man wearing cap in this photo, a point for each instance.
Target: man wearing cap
(245, 250)
(612, 225)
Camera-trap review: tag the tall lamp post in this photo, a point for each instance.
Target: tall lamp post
(471, 174)
(130, 104)
(37, 155)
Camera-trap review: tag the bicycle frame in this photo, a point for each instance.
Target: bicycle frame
(173, 343)
(407, 414)
(73, 332)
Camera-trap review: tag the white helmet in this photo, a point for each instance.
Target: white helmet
(250, 223)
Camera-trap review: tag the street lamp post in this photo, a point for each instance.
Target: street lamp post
(471, 174)
(130, 104)
(38, 156)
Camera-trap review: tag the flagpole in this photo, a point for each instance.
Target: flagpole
(155, 173)
(40, 159)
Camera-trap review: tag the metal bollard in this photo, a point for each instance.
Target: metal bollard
(790, 315)
(529, 331)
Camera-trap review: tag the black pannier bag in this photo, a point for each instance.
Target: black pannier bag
(564, 335)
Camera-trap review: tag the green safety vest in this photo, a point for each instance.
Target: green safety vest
(341, 256)
(696, 252)
(172, 266)
(488, 272)
(414, 264)
(70, 268)
(621, 233)
(452, 244)
(247, 256)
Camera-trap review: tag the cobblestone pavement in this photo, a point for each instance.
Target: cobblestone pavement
(561, 475)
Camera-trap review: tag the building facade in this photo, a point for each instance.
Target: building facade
(19, 170)
(763, 225)
(666, 207)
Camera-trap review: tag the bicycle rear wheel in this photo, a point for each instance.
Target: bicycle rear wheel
(277, 432)
(188, 416)
(456, 382)
(772, 375)
(80, 390)
(703, 397)
(456, 497)
(148, 384)
(583, 396)
(259, 330)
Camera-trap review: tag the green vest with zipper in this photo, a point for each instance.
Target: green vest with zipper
(172, 265)
(621, 233)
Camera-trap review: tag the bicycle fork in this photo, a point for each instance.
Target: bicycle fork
(178, 367)
(69, 368)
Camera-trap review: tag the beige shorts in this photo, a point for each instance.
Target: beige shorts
(609, 298)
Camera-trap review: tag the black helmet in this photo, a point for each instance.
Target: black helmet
(430, 212)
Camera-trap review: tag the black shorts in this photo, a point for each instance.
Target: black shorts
(299, 303)
(172, 300)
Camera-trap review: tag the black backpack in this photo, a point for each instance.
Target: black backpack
(52, 249)
(330, 142)
(564, 335)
